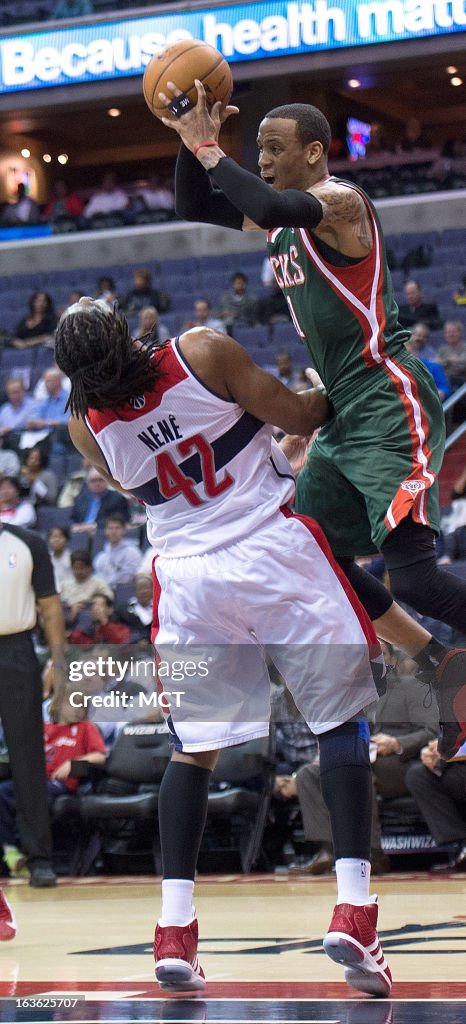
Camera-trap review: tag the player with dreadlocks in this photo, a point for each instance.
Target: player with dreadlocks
(107, 368)
(183, 427)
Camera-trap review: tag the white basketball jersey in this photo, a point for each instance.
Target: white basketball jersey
(207, 472)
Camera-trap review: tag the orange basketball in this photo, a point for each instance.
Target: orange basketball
(181, 64)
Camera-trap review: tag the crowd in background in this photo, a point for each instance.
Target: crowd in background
(102, 563)
(405, 165)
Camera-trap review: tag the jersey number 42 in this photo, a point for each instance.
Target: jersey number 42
(173, 481)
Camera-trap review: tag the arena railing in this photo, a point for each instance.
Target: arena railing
(449, 404)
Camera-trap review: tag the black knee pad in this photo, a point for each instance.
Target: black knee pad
(346, 745)
(374, 597)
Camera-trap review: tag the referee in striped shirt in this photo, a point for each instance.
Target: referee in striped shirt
(27, 582)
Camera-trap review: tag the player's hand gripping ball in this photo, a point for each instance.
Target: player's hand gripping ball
(183, 63)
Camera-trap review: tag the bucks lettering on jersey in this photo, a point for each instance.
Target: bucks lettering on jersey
(346, 316)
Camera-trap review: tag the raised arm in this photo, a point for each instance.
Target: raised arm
(195, 198)
(244, 200)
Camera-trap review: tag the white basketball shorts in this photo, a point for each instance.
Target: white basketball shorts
(277, 593)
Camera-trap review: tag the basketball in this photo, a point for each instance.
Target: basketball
(181, 64)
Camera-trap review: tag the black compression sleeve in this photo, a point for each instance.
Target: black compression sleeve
(196, 199)
(258, 201)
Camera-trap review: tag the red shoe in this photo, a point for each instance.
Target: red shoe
(352, 940)
(450, 688)
(7, 920)
(176, 965)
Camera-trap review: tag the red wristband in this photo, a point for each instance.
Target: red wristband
(200, 145)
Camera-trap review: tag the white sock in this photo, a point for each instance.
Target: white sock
(353, 880)
(177, 901)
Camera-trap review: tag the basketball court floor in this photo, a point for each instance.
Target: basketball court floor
(83, 952)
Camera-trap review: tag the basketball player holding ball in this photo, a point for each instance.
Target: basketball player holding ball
(370, 479)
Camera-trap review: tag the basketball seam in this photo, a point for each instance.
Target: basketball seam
(167, 66)
(195, 45)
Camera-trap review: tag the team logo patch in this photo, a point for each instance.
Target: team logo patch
(413, 486)
(12, 560)
(139, 402)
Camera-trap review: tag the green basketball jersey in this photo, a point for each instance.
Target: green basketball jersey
(377, 458)
(346, 316)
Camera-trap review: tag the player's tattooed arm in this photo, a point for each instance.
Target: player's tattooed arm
(345, 208)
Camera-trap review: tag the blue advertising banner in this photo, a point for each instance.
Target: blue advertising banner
(252, 31)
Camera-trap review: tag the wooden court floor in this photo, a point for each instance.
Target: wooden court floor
(83, 952)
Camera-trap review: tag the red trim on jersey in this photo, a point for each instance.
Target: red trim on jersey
(359, 610)
(171, 373)
(364, 285)
(409, 409)
(366, 269)
(362, 274)
(156, 594)
(406, 502)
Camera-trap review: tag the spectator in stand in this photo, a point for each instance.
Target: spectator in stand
(380, 144)
(273, 308)
(119, 560)
(15, 413)
(459, 486)
(138, 611)
(109, 199)
(286, 372)
(99, 626)
(439, 789)
(143, 294)
(60, 556)
(73, 485)
(420, 333)
(157, 195)
(402, 725)
(106, 291)
(69, 738)
(14, 509)
(71, 9)
(9, 462)
(416, 347)
(37, 481)
(95, 503)
(41, 391)
(452, 355)
(23, 211)
(459, 297)
(149, 323)
(238, 307)
(38, 327)
(49, 418)
(413, 137)
(453, 524)
(78, 592)
(63, 204)
(73, 297)
(415, 309)
(203, 317)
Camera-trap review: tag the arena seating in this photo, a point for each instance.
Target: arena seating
(188, 279)
(185, 280)
(118, 803)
